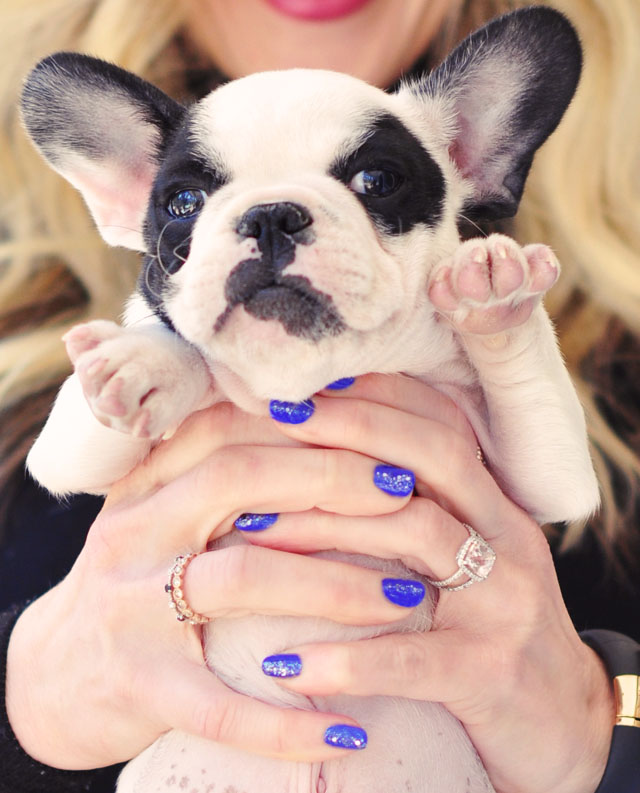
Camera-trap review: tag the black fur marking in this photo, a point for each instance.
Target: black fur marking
(66, 102)
(167, 239)
(389, 145)
(267, 294)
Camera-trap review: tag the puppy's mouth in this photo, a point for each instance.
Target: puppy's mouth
(302, 310)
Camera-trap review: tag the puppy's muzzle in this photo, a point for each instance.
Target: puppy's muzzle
(260, 285)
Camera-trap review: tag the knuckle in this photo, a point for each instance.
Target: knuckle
(285, 726)
(462, 455)
(216, 722)
(331, 463)
(235, 568)
(345, 663)
(225, 470)
(421, 512)
(425, 527)
(359, 418)
(212, 423)
(409, 661)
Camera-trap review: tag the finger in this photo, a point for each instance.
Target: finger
(194, 700)
(409, 395)
(200, 435)
(242, 580)
(422, 535)
(443, 461)
(439, 666)
(187, 512)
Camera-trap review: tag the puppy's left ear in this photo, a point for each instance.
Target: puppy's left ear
(499, 95)
(104, 130)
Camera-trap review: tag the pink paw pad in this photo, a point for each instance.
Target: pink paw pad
(505, 270)
(110, 401)
(492, 284)
(543, 267)
(473, 277)
(78, 340)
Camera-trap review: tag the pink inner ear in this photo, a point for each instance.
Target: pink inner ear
(117, 198)
(464, 150)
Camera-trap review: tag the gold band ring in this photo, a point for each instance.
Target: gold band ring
(176, 594)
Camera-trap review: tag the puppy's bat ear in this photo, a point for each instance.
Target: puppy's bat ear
(503, 91)
(104, 130)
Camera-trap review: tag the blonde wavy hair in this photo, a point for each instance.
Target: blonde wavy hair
(582, 198)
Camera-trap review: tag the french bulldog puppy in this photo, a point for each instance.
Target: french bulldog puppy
(299, 227)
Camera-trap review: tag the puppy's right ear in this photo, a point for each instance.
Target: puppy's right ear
(104, 130)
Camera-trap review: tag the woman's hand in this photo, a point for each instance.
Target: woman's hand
(99, 667)
(503, 655)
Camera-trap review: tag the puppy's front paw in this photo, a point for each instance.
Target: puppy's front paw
(133, 381)
(490, 285)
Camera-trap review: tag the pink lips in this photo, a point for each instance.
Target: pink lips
(317, 10)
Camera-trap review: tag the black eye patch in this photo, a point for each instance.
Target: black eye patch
(394, 152)
(182, 185)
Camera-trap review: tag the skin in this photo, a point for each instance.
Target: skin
(376, 43)
(504, 656)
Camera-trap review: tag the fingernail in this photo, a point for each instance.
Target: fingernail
(251, 521)
(283, 665)
(395, 481)
(345, 736)
(403, 591)
(344, 382)
(291, 412)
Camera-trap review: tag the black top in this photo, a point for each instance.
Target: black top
(42, 538)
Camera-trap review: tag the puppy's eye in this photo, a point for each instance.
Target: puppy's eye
(375, 183)
(186, 203)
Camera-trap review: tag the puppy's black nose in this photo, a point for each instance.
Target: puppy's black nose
(277, 228)
(265, 220)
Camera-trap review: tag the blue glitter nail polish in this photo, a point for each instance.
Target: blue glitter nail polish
(291, 412)
(345, 736)
(339, 385)
(251, 521)
(283, 665)
(403, 591)
(395, 481)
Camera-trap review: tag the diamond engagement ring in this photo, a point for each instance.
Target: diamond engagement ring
(475, 560)
(176, 596)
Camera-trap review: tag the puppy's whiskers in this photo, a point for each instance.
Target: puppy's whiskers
(147, 282)
(183, 259)
(115, 226)
(483, 233)
(158, 255)
(140, 320)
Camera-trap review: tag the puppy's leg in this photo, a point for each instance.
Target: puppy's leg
(74, 453)
(533, 430)
(131, 387)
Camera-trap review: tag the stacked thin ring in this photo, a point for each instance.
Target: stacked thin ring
(475, 559)
(176, 594)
